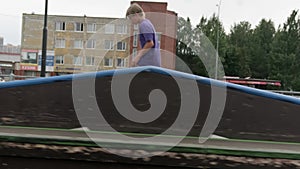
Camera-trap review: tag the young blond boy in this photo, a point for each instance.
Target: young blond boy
(150, 52)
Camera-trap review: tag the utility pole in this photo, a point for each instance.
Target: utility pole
(44, 47)
(218, 37)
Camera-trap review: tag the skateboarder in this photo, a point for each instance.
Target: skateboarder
(150, 52)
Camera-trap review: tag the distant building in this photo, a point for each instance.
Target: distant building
(75, 44)
(81, 43)
(1, 41)
(8, 63)
(165, 23)
(10, 57)
(9, 48)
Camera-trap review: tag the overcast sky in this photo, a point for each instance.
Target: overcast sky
(231, 11)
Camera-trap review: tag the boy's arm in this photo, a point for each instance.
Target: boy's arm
(141, 53)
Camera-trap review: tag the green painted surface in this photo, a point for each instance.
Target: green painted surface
(179, 149)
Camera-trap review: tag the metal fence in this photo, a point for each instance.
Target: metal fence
(290, 93)
(12, 77)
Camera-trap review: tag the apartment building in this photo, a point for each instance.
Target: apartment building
(9, 59)
(82, 43)
(74, 44)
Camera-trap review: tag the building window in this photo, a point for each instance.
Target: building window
(30, 73)
(158, 34)
(78, 44)
(108, 62)
(60, 26)
(29, 57)
(90, 61)
(136, 27)
(5, 69)
(134, 52)
(121, 46)
(59, 60)
(109, 45)
(135, 39)
(77, 60)
(91, 27)
(78, 26)
(60, 43)
(91, 44)
(121, 62)
(121, 29)
(109, 28)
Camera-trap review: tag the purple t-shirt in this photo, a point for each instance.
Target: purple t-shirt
(148, 33)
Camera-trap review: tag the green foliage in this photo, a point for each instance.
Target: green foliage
(262, 52)
(238, 51)
(284, 57)
(195, 47)
(262, 39)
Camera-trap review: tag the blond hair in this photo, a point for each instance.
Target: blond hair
(135, 8)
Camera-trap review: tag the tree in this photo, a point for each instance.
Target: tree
(206, 34)
(185, 43)
(262, 52)
(238, 53)
(285, 53)
(262, 39)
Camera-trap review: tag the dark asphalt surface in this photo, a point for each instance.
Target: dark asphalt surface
(246, 116)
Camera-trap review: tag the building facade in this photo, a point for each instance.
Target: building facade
(1, 41)
(10, 57)
(74, 44)
(78, 44)
(9, 62)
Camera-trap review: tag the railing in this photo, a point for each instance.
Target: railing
(12, 77)
(290, 93)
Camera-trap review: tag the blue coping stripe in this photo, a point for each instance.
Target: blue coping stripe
(153, 69)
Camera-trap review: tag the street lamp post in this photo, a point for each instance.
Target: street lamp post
(44, 47)
(218, 37)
